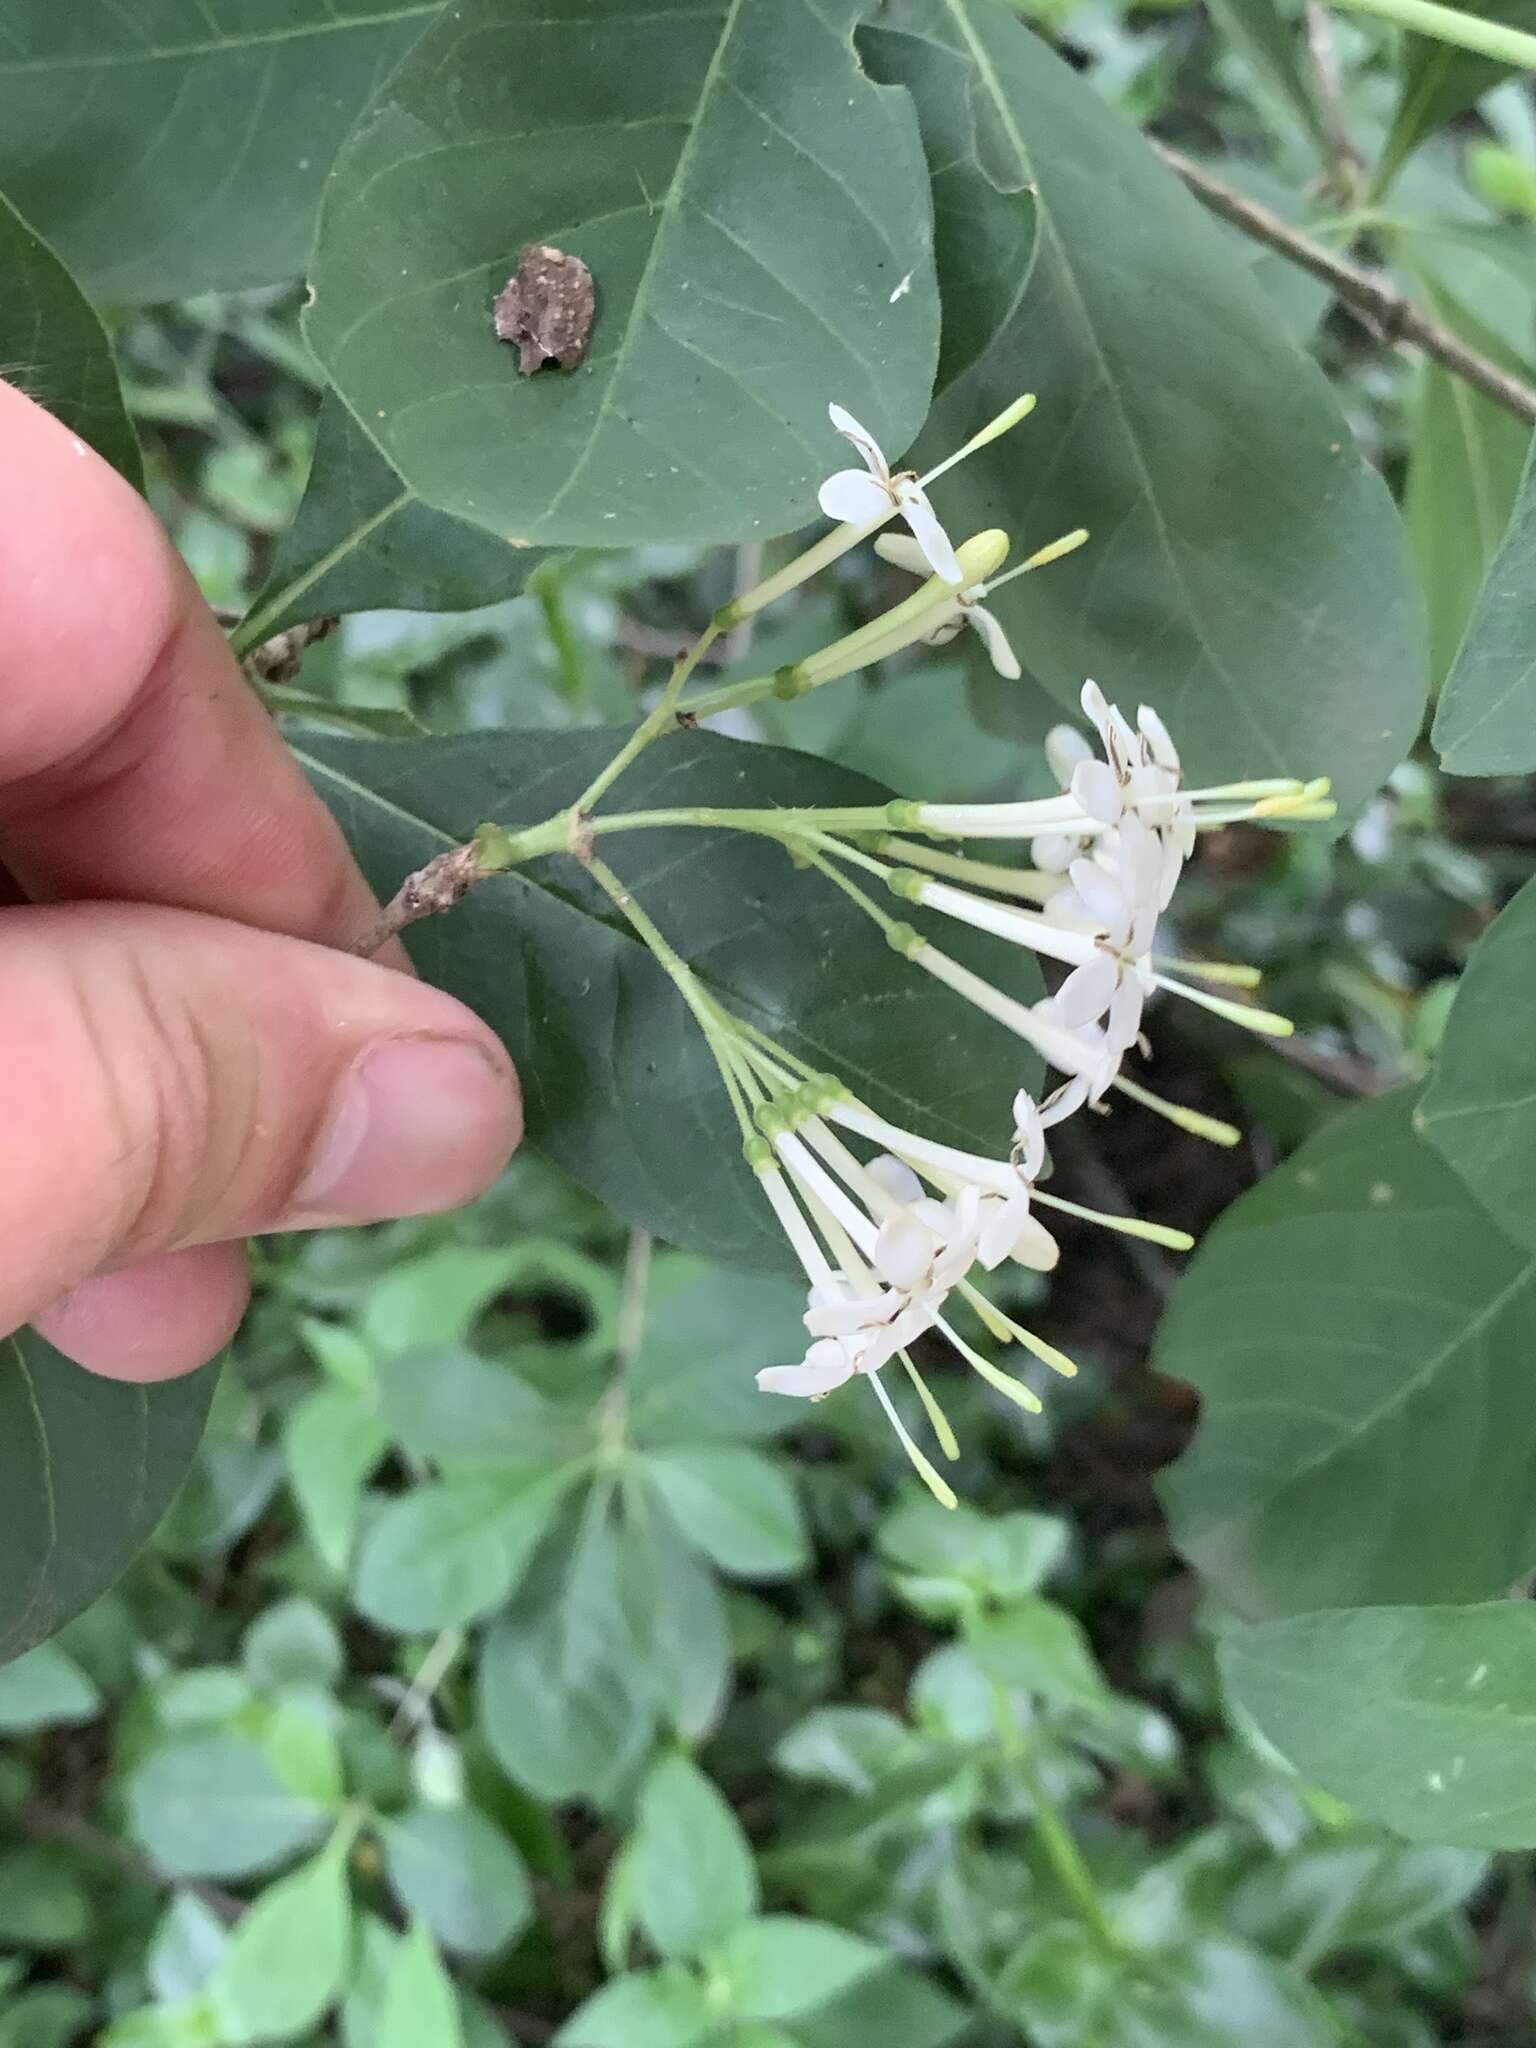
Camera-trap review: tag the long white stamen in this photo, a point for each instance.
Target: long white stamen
(1270, 1022)
(1058, 1361)
(812, 1175)
(994, 1173)
(941, 1490)
(1020, 409)
(796, 1229)
(1128, 1226)
(1004, 1382)
(1193, 1120)
(1001, 919)
(949, 1443)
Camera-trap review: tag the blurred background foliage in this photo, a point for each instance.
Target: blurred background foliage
(511, 1671)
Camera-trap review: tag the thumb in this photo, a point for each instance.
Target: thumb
(169, 1079)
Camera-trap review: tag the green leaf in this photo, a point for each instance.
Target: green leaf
(564, 1700)
(1463, 475)
(53, 347)
(620, 1087)
(1479, 1110)
(1336, 1894)
(290, 1956)
(894, 2004)
(444, 1553)
(362, 541)
(1247, 572)
(459, 1875)
(647, 2009)
(181, 148)
(1486, 721)
(87, 1468)
(187, 1947)
(1440, 81)
(1035, 1647)
(332, 1440)
(689, 1865)
(781, 1967)
(707, 1333)
(1266, 35)
(45, 1689)
(1361, 1339)
(735, 1504)
(453, 1405)
(43, 1899)
(1423, 1718)
(212, 1806)
(1064, 1990)
(676, 1620)
(293, 1643)
(748, 203)
(997, 1557)
(419, 2008)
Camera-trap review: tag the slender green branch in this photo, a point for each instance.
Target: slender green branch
(656, 722)
(547, 585)
(1449, 25)
(1056, 1838)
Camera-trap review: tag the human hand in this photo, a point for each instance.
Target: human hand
(184, 1060)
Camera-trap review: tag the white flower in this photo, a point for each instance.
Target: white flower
(863, 497)
(827, 1364)
(909, 555)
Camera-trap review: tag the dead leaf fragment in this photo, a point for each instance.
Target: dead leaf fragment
(547, 307)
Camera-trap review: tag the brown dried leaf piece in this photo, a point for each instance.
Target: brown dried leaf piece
(547, 308)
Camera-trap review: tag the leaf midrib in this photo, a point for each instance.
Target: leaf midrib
(217, 46)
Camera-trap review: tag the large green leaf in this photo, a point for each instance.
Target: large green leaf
(1463, 474)
(1486, 723)
(56, 350)
(87, 1468)
(1247, 572)
(620, 1086)
(749, 205)
(1441, 81)
(362, 540)
(179, 146)
(1361, 1339)
(1479, 1110)
(1421, 1717)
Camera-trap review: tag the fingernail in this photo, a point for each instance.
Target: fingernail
(417, 1124)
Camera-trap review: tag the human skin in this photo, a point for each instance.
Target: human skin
(186, 1056)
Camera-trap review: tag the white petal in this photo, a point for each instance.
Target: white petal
(1095, 708)
(1101, 893)
(1053, 851)
(854, 499)
(995, 640)
(1065, 747)
(1035, 1247)
(1028, 1135)
(1097, 789)
(942, 635)
(903, 551)
(904, 1249)
(848, 1318)
(935, 543)
(1003, 1218)
(1125, 1014)
(896, 1177)
(861, 438)
(1087, 992)
(824, 1366)
(1064, 1101)
(1158, 738)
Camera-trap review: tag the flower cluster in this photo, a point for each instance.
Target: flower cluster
(892, 1228)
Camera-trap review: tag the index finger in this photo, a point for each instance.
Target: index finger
(135, 759)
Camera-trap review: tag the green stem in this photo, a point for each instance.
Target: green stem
(718, 1029)
(1448, 25)
(656, 721)
(547, 584)
(1056, 1838)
